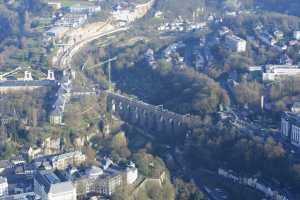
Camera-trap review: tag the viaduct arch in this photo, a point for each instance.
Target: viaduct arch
(152, 118)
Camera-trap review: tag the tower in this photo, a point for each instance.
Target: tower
(50, 75)
(27, 76)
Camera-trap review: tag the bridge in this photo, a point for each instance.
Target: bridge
(155, 119)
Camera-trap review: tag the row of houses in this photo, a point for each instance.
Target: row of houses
(63, 97)
(253, 183)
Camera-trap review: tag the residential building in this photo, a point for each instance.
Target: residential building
(56, 5)
(3, 186)
(63, 96)
(275, 72)
(109, 181)
(296, 107)
(62, 161)
(33, 152)
(50, 187)
(102, 180)
(51, 145)
(85, 9)
(278, 35)
(235, 43)
(296, 35)
(131, 173)
(72, 20)
(290, 127)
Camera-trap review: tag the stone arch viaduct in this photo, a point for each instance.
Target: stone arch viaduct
(152, 118)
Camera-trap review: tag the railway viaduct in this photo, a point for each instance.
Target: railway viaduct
(152, 118)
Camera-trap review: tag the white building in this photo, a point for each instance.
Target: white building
(296, 35)
(3, 186)
(275, 72)
(62, 161)
(49, 187)
(72, 20)
(131, 173)
(235, 43)
(295, 136)
(285, 127)
(56, 5)
(290, 127)
(83, 9)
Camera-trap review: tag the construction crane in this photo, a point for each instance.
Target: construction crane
(100, 64)
(3, 76)
(109, 69)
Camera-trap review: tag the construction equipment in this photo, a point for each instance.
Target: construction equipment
(100, 64)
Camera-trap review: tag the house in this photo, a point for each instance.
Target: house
(235, 43)
(33, 152)
(50, 187)
(3, 186)
(51, 145)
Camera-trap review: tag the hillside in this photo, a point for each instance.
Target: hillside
(18, 37)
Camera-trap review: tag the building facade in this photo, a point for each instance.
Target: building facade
(62, 161)
(3, 186)
(290, 128)
(278, 72)
(49, 187)
(235, 43)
